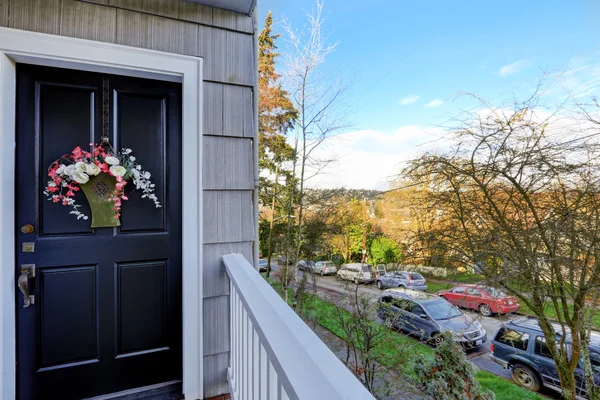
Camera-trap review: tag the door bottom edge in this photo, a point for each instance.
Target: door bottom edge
(161, 391)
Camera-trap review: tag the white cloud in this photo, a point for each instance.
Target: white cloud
(411, 98)
(435, 103)
(581, 77)
(513, 68)
(370, 159)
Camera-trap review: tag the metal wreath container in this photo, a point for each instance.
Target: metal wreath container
(98, 190)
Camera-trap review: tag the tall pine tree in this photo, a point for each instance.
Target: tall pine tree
(276, 115)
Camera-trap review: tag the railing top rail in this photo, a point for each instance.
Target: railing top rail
(308, 368)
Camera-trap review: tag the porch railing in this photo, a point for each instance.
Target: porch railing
(274, 354)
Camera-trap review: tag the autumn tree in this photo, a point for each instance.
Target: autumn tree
(410, 218)
(521, 186)
(276, 115)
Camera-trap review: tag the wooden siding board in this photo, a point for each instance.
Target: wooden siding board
(225, 19)
(237, 111)
(174, 36)
(88, 21)
(228, 56)
(245, 23)
(228, 216)
(240, 58)
(166, 8)
(35, 15)
(215, 373)
(213, 108)
(215, 280)
(222, 171)
(216, 333)
(151, 32)
(195, 12)
(213, 47)
(134, 29)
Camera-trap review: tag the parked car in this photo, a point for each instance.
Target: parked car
(402, 279)
(487, 300)
(262, 265)
(356, 272)
(305, 265)
(429, 316)
(325, 268)
(520, 345)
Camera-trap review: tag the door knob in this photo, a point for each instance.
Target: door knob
(27, 228)
(27, 271)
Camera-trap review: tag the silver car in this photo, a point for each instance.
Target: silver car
(402, 279)
(325, 268)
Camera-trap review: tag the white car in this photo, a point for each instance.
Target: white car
(325, 268)
(357, 273)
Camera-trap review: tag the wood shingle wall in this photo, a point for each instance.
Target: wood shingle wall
(225, 40)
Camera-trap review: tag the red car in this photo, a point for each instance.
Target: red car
(485, 299)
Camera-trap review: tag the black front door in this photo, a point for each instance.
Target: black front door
(106, 315)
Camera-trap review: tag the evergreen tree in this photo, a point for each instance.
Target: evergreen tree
(276, 115)
(449, 375)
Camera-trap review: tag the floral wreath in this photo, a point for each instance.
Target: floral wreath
(69, 172)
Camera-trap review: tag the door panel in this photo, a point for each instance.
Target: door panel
(68, 323)
(107, 311)
(142, 322)
(141, 126)
(66, 112)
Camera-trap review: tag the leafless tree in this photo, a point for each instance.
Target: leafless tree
(521, 187)
(317, 94)
(365, 341)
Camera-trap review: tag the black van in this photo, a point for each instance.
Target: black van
(520, 345)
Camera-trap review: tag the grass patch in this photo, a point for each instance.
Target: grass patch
(326, 314)
(503, 388)
(434, 287)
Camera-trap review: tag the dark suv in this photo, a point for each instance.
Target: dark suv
(520, 345)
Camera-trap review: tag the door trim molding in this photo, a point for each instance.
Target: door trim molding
(59, 51)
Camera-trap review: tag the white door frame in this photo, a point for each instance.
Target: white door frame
(58, 51)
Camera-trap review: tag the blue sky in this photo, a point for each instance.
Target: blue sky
(492, 49)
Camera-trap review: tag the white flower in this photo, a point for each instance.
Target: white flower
(127, 151)
(110, 160)
(80, 177)
(69, 170)
(61, 169)
(118, 170)
(146, 175)
(92, 169)
(138, 167)
(132, 158)
(80, 166)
